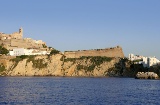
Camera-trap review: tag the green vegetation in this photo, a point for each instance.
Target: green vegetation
(94, 60)
(155, 69)
(3, 50)
(118, 68)
(86, 68)
(31, 58)
(20, 58)
(70, 60)
(98, 60)
(138, 60)
(54, 52)
(50, 47)
(2, 68)
(37, 63)
(130, 68)
(44, 45)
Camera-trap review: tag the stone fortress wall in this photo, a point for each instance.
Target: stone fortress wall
(108, 52)
(16, 40)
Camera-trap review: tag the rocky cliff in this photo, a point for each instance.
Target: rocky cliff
(58, 65)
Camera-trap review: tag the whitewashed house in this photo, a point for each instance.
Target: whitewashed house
(23, 51)
(146, 61)
(20, 51)
(133, 57)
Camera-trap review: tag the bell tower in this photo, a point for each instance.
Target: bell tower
(21, 32)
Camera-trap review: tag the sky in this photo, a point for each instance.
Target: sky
(87, 24)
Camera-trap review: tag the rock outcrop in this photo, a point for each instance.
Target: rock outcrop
(146, 75)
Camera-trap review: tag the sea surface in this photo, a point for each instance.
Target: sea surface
(78, 91)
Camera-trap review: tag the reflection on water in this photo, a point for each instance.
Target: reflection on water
(78, 91)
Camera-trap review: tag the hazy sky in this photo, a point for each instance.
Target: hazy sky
(87, 24)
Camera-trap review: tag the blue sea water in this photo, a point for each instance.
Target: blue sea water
(78, 91)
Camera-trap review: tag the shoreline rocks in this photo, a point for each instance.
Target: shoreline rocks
(146, 75)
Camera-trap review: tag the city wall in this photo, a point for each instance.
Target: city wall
(24, 44)
(10, 44)
(109, 52)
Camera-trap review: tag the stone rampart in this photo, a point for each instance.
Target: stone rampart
(109, 52)
(5, 42)
(20, 43)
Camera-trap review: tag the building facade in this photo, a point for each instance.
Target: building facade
(23, 51)
(133, 57)
(146, 61)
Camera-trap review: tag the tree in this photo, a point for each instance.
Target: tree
(3, 50)
(44, 46)
(54, 51)
(50, 47)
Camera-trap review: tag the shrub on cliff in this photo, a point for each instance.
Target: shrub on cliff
(86, 68)
(44, 45)
(2, 68)
(39, 63)
(54, 52)
(155, 69)
(20, 58)
(3, 50)
(98, 60)
(94, 60)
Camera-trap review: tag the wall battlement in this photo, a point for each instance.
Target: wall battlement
(108, 52)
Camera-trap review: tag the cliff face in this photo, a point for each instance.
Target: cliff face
(58, 65)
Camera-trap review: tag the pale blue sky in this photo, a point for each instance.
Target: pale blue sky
(87, 24)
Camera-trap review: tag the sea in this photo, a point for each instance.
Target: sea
(78, 91)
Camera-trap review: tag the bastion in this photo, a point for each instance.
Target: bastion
(107, 52)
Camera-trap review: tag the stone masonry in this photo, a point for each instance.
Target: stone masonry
(108, 52)
(16, 40)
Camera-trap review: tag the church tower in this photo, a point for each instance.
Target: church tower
(21, 32)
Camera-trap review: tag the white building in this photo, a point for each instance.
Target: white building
(150, 61)
(23, 51)
(36, 52)
(146, 61)
(20, 51)
(133, 57)
(153, 61)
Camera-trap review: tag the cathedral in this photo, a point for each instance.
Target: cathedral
(15, 35)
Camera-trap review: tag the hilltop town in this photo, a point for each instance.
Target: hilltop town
(17, 45)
